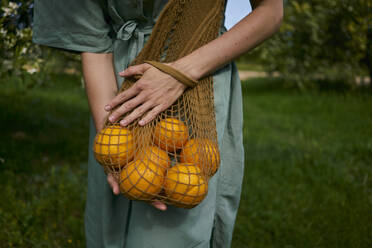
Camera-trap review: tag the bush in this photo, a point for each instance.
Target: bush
(21, 58)
(329, 40)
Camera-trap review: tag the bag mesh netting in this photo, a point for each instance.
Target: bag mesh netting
(172, 158)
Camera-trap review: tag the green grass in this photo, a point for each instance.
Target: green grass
(245, 66)
(43, 152)
(308, 171)
(308, 168)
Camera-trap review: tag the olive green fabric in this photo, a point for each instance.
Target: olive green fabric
(122, 27)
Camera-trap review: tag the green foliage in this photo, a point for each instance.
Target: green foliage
(18, 53)
(321, 40)
(21, 58)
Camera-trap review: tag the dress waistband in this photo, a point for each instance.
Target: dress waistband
(133, 35)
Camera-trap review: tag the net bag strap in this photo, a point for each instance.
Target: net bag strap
(174, 73)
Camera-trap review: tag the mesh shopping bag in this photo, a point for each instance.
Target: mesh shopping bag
(172, 158)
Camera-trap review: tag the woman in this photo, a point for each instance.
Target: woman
(109, 34)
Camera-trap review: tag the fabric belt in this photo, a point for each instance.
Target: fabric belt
(134, 37)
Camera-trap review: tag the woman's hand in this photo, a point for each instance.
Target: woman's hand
(155, 91)
(98, 68)
(116, 190)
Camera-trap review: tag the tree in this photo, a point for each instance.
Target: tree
(321, 39)
(16, 47)
(20, 58)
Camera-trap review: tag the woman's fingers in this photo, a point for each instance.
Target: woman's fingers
(159, 205)
(138, 112)
(134, 70)
(126, 107)
(122, 97)
(149, 96)
(116, 190)
(151, 115)
(132, 91)
(113, 184)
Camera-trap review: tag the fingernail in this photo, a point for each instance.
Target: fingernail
(121, 73)
(123, 122)
(141, 122)
(107, 107)
(111, 118)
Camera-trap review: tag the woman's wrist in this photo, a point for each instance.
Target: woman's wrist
(190, 68)
(201, 62)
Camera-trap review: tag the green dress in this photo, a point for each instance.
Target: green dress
(122, 27)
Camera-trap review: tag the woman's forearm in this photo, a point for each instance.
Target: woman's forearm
(156, 91)
(100, 84)
(256, 27)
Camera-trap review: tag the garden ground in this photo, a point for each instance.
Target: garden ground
(308, 166)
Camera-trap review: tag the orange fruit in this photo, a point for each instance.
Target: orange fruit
(202, 152)
(114, 146)
(185, 186)
(155, 155)
(170, 134)
(141, 180)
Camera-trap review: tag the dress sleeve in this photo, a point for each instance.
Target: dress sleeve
(76, 25)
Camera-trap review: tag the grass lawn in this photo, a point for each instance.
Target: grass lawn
(308, 174)
(308, 168)
(245, 66)
(43, 154)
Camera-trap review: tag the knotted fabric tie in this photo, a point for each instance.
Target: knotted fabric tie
(134, 35)
(174, 73)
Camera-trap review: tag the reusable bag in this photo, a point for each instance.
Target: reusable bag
(172, 158)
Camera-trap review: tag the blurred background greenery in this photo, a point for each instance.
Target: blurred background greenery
(307, 133)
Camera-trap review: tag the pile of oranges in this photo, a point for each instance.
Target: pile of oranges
(173, 167)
